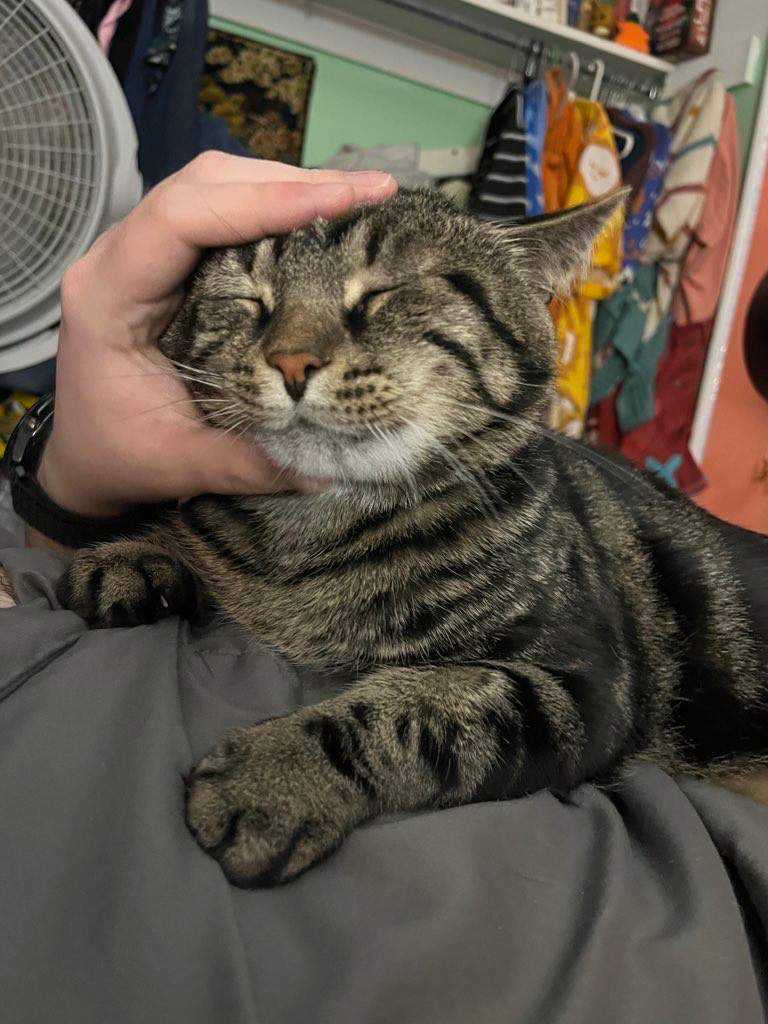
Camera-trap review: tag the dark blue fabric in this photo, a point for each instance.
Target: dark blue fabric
(171, 130)
(133, 81)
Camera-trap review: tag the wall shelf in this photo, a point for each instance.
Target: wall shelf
(407, 38)
(566, 37)
(486, 31)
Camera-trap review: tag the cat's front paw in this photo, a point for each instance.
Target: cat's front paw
(127, 583)
(267, 803)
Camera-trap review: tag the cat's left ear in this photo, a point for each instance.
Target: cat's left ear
(556, 250)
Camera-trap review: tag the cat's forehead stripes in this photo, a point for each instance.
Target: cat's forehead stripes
(278, 245)
(373, 244)
(355, 287)
(232, 276)
(338, 231)
(264, 255)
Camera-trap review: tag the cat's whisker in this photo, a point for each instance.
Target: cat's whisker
(214, 385)
(490, 411)
(281, 475)
(172, 374)
(207, 371)
(516, 420)
(408, 474)
(226, 430)
(464, 473)
(215, 417)
(208, 377)
(179, 401)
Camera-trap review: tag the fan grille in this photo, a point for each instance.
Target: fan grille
(50, 159)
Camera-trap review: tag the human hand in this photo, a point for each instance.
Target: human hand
(124, 431)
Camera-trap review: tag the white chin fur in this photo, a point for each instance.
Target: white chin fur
(373, 460)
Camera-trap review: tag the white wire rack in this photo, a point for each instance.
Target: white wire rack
(67, 160)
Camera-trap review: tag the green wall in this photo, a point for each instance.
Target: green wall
(747, 100)
(354, 103)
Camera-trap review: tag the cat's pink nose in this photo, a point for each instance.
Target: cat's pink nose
(296, 368)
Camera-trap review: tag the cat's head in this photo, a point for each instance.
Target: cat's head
(374, 347)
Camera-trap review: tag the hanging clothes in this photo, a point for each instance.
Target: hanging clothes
(563, 144)
(703, 269)
(573, 338)
(123, 41)
(536, 115)
(661, 443)
(625, 359)
(694, 118)
(625, 374)
(643, 149)
(108, 25)
(91, 11)
(597, 173)
(161, 79)
(500, 187)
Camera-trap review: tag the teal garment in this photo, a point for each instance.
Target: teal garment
(631, 362)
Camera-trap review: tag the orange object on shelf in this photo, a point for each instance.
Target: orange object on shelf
(634, 36)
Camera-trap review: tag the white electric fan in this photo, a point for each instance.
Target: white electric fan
(67, 165)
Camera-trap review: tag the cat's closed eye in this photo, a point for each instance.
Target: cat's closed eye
(368, 303)
(367, 299)
(253, 305)
(249, 302)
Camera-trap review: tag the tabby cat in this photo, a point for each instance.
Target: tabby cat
(520, 611)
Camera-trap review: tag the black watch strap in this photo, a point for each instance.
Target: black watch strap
(21, 461)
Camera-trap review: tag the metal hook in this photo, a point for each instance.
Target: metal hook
(533, 61)
(598, 68)
(573, 77)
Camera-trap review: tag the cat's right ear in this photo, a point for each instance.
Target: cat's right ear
(556, 250)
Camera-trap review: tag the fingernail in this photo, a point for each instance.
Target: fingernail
(373, 179)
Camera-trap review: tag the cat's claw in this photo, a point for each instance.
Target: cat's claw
(127, 583)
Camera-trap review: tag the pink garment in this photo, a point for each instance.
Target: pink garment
(106, 30)
(705, 262)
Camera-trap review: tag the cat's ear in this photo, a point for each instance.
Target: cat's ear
(555, 250)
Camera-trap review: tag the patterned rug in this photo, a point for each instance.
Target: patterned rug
(261, 92)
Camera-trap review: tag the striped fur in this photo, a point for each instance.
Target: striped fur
(520, 611)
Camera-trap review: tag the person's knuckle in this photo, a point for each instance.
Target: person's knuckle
(206, 164)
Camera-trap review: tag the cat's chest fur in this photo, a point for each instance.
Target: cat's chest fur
(327, 582)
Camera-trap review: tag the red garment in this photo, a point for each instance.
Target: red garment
(676, 389)
(705, 263)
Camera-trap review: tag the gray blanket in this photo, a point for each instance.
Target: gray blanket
(648, 904)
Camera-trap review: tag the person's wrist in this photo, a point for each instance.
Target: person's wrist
(70, 489)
